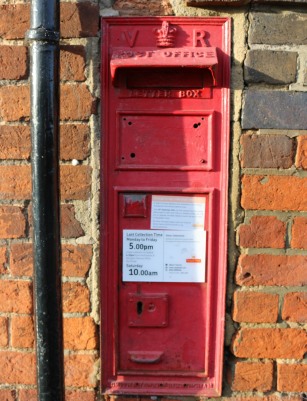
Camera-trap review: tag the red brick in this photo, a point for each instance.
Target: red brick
(295, 307)
(76, 102)
(80, 334)
(253, 376)
(22, 328)
(15, 142)
(15, 182)
(80, 370)
(74, 141)
(72, 63)
(19, 96)
(292, 378)
(13, 62)
(15, 296)
(263, 232)
(270, 343)
(274, 192)
(3, 260)
(75, 182)
(255, 307)
(79, 19)
(8, 395)
(14, 20)
(76, 298)
(143, 7)
(70, 395)
(17, 368)
(12, 222)
(299, 230)
(70, 226)
(301, 154)
(4, 339)
(76, 260)
(280, 270)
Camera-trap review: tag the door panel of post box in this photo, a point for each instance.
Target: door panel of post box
(165, 138)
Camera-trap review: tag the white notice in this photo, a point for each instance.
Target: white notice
(164, 256)
(177, 212)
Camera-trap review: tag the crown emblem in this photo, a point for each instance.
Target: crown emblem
(165, 35)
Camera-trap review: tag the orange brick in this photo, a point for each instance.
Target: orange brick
(270, 270)
(13, 62)
(22, 328)
(15, 182)
(70, 395)
(295, 307)
(263, 232)
(70, 226)
(79, 19)
(301, 154)
(8, 395)
(12, 222)
(74, 141)
(299, 229)
(80, 333)
(76, 102)
(76, 298)
(14, 20)
(253, 376)
(270, 343)
(255, 307)
(143, 7)
(4, 340)
(3, 260)
(15, 142)
(80, 370)
(75, 182)
(21, 259)
(76, 260)
(17, 368)
(292, 378)
(72, 63)
(19, 96)
(274, 192)
(15, 296)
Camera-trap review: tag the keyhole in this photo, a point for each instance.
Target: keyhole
(139, 308)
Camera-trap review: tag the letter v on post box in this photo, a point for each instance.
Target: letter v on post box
(165, 136)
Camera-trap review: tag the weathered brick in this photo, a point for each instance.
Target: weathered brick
(12, 222)
(3, 260)
(253, 376)
(72, 63)
(270, 66)
(279, 270)
(274, 192)
(14, 20)
(8, 395)
(4, 339)
(15, 297)
(74, 141)
(295, 307)
(76, 260)
(79, 19)
(255, 307)
(275, 109)
(301, 155)
(278, 28)
(19, 96)
(15, 142)
(70, 395)
(270, 343)
(267, 151)
(80, 370)
(75, 182)
(15, 182)
(76, 298)
(76, 102)
(17, 368)
(292, 378)
(216, 3)
(143, 7)
(80, 334)
(299, 238)
(22, 329)
(263, 232)
(13, 62)
(70, 226)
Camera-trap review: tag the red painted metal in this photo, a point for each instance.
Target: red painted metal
(165, 108)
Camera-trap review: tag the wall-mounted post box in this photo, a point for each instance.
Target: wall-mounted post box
(165, 135)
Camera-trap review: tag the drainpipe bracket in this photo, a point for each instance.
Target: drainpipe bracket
(42, 35)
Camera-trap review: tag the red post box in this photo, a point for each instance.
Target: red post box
(165, 135)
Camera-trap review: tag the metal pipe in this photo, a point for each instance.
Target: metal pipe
(44, 44)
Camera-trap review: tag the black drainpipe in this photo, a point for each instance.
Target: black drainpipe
(44, 44)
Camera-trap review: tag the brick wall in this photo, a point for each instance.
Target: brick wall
(266, 299)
